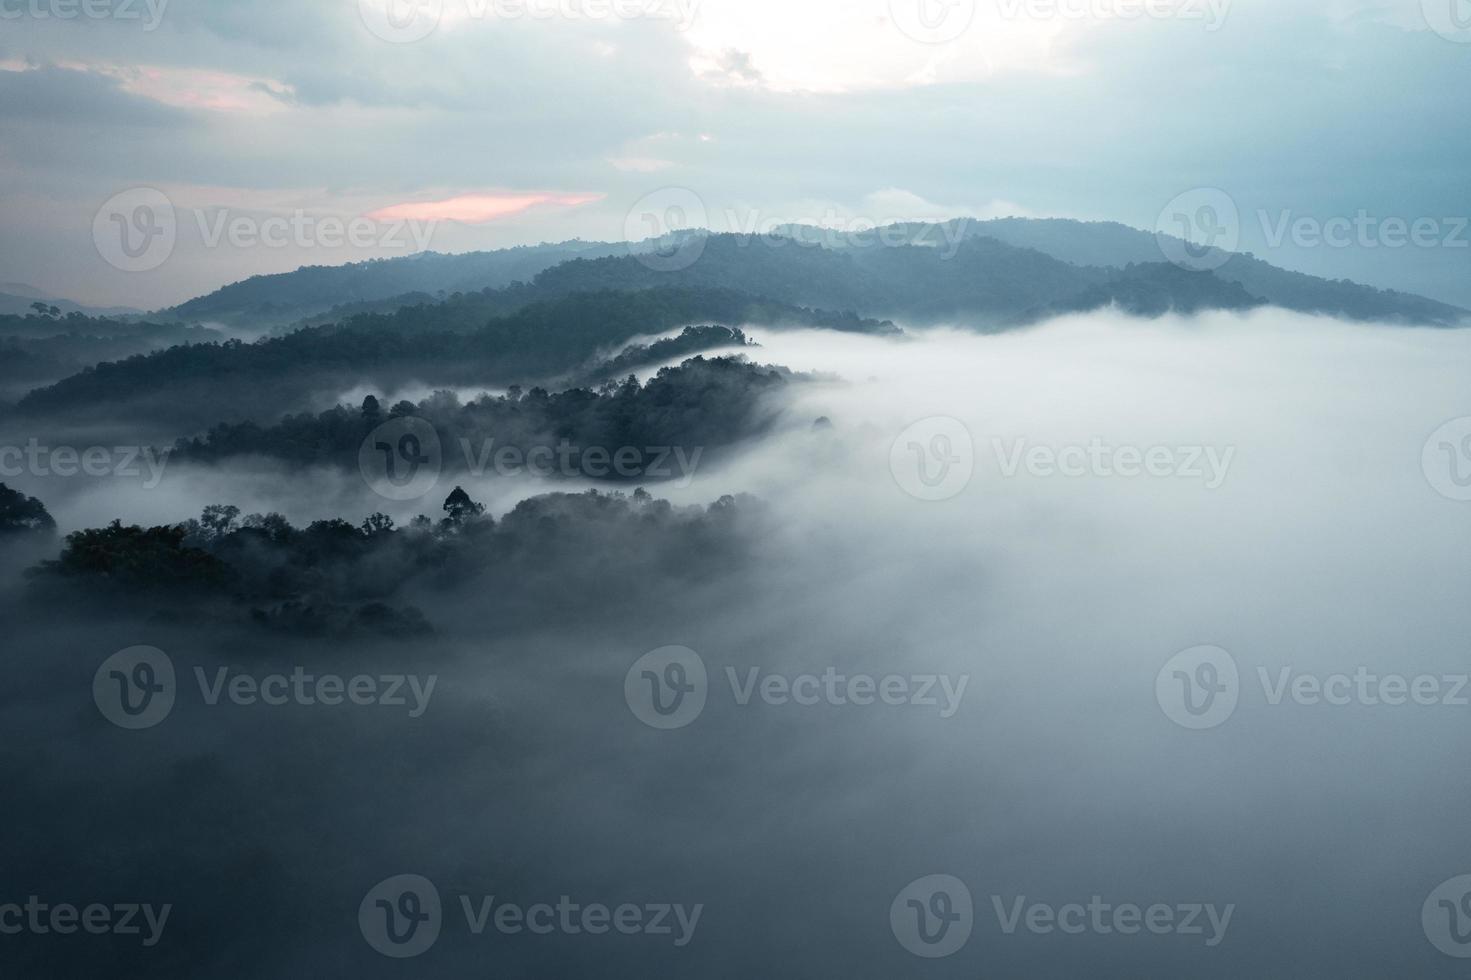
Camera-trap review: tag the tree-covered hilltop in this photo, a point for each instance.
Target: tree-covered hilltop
(282, 298)
(691, 340)
(1154, 290)
(680, 416)
(20, 514)
(981, 280)
(336, 577)
(449, 345)
(990, 275)
(44, 346)
(986, 273)
(1108, 243)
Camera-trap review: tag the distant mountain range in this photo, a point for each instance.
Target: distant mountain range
(989, 274)
(287, 297)
(16, 299)
(551, 315)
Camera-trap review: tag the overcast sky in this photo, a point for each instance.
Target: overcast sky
(505, 122)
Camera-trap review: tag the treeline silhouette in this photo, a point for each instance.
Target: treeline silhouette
(335, 577)
(703, 404)
(448, 344)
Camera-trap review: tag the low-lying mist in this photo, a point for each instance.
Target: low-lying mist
(1027, 526)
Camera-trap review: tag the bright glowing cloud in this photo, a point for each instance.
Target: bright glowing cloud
(478, 208)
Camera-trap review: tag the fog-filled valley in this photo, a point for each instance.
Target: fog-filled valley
(838, 490)
(1041, 592)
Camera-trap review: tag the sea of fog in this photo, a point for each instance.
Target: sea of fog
(1124, 554)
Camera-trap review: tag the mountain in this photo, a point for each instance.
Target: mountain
(17, 299)
(1112, 244)
(955, 274)
(1154, 289)
(455, 343)
(992, 274)
(263, 301)
(39, 350)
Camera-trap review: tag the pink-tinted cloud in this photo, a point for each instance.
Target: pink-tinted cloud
(185, 88)
(478, 208)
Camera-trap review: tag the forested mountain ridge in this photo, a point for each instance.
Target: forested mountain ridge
(445, 345)
(287, 297)
(993, 273)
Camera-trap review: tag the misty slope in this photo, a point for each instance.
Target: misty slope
(984, 279)
(310, 290)
(706, 403)
(16, 299)
(39, 350)
(960, 272)
(1155, 289)
(996, 272)
(455, 343)
(1113, 244)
